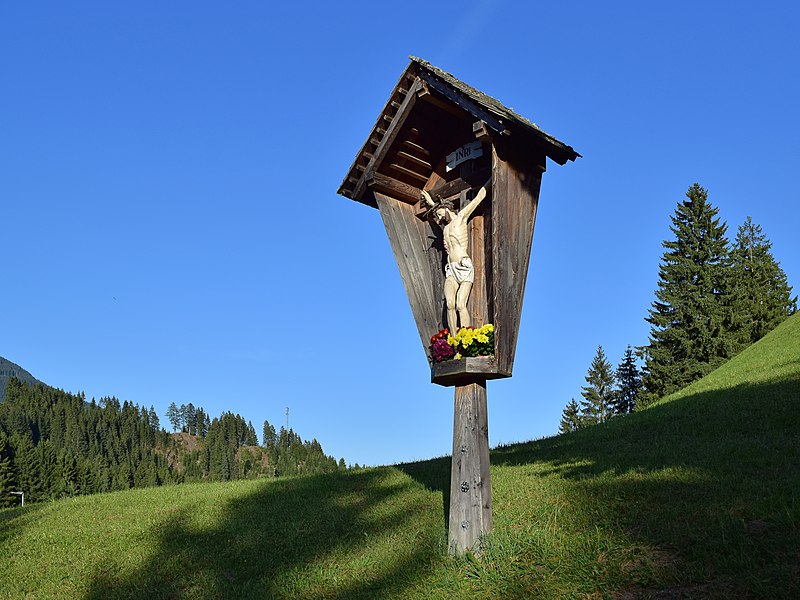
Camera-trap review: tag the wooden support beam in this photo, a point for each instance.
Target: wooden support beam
(426, 95)
(413, 174)
(418, 161)
(462, 101)
(415, 147)
(390, 186)
(481, 131)
(470, 516)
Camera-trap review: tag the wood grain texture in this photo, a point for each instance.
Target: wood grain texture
(390, 186)
(466, 370)
(515, 196)
(420, 262)
(470, 515)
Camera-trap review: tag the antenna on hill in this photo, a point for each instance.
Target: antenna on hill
(287, 419)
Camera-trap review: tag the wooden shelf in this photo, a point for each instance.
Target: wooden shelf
(463, 371)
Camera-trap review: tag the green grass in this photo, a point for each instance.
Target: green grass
(698, 497)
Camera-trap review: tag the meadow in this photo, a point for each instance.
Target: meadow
(697, 496)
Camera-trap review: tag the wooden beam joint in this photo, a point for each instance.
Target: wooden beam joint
(378, 182)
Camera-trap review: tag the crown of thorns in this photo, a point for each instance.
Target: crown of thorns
(448, 204)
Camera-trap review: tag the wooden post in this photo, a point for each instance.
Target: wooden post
(470, 481)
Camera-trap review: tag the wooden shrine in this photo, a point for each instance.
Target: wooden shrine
(438, 135)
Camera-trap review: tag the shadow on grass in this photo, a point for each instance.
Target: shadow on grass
(13, 520)
(711, 479)
(434, 474)
(343, 536)
(751, 421)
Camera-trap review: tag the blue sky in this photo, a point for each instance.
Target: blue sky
(170, 229)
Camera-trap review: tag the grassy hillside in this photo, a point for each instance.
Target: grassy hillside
(697, 496)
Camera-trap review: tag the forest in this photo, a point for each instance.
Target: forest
(714, 298)
(55, 444)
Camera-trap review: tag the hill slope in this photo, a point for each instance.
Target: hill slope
(9, 369)
(694, 497)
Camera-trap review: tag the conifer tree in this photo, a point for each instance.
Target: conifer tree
(152, 417)
(28, 465)
(629, 381)
(251, 437)
(691, 318)
(763, 294)
(173, 416)
(191, 419)
(598, 395)
(570, 418)
(7, 479)
(268, 437)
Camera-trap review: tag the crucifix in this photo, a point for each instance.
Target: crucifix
(459, 271)
(437, 140)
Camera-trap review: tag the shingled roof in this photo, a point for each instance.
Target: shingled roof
(407, 147)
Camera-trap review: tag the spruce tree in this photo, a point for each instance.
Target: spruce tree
(629, 381)
(251, 439)
(570, 418)
(598, 395)
(7, 479)
(691, 318)
(269, 436)
(763, 294)
(152, 418)
(173, 416)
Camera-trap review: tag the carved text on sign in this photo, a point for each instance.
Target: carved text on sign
(464, 153)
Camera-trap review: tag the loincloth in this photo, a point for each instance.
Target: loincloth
(460, 271)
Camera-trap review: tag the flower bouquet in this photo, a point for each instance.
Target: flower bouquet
(467, 342)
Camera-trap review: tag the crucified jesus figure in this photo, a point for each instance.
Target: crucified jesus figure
(459, 273)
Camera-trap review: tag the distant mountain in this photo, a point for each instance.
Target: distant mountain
(9, 369)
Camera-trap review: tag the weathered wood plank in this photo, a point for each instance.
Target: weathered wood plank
(466, 370)
(413, 174)
(408, 144)
(515, 199)
(378, 182)
(419, 262)
(470, 515)
(478, 304)
(418, 161)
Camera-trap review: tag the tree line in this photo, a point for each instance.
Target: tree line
(55, 444)
(714, 298)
